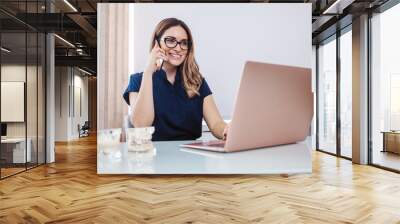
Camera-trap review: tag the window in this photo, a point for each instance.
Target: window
(22, 65)
(385, 89)
(346, 93)
(334, 106)
(327, 97)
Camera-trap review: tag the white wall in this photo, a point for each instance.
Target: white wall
(226, 35)
(61, 103)
(80, 83)
(66, 121)
(12, 73)
(15, 72)
(33, 125)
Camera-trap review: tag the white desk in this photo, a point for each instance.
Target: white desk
(19, 149)
(169, 158)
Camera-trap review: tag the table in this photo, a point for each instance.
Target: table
(391, 141)
(16, 148)
(169, 158)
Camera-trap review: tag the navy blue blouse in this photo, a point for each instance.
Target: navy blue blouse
(176, 116)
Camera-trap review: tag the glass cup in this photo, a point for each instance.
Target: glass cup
(108, 139)
(139, 139)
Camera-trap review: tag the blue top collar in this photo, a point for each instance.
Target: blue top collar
(177, 76)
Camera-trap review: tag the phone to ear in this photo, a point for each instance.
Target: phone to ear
(161, 61)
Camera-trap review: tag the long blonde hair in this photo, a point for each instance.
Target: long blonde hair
(192, 78)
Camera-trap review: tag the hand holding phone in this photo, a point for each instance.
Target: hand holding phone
(160, 60)
(156, 58)
(160, 63)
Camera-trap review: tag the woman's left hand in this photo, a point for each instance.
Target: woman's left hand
(225, 132)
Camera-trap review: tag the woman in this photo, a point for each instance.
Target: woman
(171, 94)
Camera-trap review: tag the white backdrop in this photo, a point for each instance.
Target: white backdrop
(225, 36)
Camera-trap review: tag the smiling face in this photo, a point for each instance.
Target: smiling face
(176, 55)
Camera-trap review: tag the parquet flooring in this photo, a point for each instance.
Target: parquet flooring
(10, 171)
(70, 191)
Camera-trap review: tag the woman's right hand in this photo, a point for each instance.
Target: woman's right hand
(154, 62)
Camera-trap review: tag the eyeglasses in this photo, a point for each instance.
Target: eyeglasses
(171, 42)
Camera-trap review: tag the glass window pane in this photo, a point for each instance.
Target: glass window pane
(23, 86)
(386, 88)
(13, 86)
(32, 86)
(327, 97)
(41, 98)
(346, 94)
(31, 97)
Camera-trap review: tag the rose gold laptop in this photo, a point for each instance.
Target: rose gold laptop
(274, 106)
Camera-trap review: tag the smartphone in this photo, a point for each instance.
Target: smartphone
(162, 61)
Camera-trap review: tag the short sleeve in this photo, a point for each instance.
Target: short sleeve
(133, 86)
(204, 89)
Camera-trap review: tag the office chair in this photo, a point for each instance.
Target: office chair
(84, 130)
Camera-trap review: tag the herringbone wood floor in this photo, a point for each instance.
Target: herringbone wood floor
(70, 191)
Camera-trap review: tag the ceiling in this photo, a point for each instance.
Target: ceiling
(76, 22)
